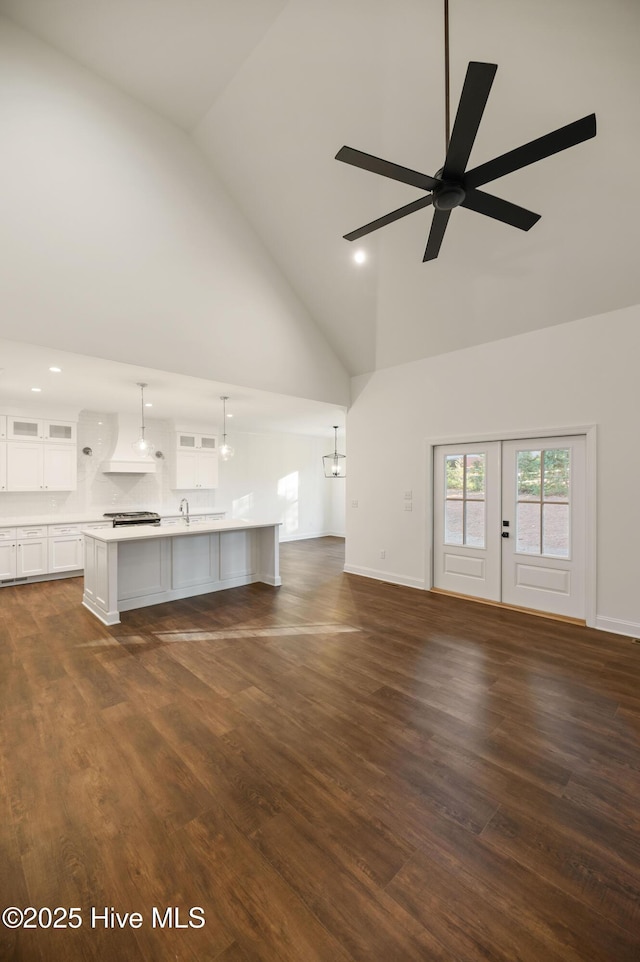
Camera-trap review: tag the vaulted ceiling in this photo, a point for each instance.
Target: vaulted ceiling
(269, 90)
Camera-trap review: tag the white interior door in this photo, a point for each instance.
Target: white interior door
(509, 522)
(467, 518)
(543, 505)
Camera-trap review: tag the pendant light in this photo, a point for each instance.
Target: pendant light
(226, 451)
(335, 465)
(142, 447)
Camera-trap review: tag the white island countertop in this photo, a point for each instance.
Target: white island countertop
(143, 532)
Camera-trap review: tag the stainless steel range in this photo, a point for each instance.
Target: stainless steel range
(123, 518)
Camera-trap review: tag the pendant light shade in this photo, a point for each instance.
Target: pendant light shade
(226, 452)
(142, 447)
(335, 465)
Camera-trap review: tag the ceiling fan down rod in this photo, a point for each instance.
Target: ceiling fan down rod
(447, 101)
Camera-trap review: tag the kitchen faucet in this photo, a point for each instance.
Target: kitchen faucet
(184, 513)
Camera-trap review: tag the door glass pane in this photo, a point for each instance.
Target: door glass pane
(465, 500)
(208, 443)
(556, 474)
(453, 522)
(454, 468)
(529, 475)
(474, 527)
(528, 528)
(555, 529)
(474, 476)
(543, 502)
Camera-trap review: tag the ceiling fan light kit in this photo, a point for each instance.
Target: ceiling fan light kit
(455, 186)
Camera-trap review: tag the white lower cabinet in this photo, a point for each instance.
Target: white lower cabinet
(31, 556)
(8, 550)
(65, 547)
(34, 550)
(3, 465)
(31, 559)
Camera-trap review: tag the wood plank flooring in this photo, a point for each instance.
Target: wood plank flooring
(337, 770)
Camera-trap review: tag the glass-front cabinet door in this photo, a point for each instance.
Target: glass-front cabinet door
(63, 431)
(24, 429)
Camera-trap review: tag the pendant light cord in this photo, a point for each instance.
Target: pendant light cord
(142, 387)
(447, 118)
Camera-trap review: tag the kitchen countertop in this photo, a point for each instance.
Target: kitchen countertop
(86, 518)
(144, 532)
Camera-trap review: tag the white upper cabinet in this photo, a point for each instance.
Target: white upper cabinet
(38, 454)
(25, 466)
(196, 461)
(60, 469)
(196, 470)
(32, 466)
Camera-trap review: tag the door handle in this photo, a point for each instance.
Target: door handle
(505, 534)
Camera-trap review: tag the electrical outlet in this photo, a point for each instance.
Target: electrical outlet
(408, 495)
(354, 504)
(383, 554)
(408, 506)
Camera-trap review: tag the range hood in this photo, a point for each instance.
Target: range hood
(123, 459)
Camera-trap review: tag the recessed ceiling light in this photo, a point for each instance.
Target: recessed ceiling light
(56, 370)
(148, 404)
(36, 389)
(229, 415)
(360, 257)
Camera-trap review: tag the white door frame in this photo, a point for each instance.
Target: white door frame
(589, 431)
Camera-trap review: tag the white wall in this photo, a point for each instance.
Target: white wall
(272, 476)
(280, 476)
(118, 241)
(584, 372)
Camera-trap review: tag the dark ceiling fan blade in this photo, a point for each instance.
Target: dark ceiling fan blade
(552, 143)
(499, 209)
(349, 155)
(438, 227)
(389, 218)
(473, 100)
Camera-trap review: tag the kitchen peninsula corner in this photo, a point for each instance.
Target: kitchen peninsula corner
(128, 568)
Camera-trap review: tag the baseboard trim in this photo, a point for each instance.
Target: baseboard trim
(391, 577)
(310, 537)
(617, 626)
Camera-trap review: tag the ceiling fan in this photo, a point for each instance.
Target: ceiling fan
(455, 186)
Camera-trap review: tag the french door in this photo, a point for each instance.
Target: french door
(509, 522)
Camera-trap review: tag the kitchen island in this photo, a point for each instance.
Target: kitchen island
(133, 567)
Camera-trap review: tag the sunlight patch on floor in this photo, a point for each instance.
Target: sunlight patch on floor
(223, 634)
(231, 633)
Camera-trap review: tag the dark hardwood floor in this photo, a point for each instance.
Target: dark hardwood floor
(335, 770)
